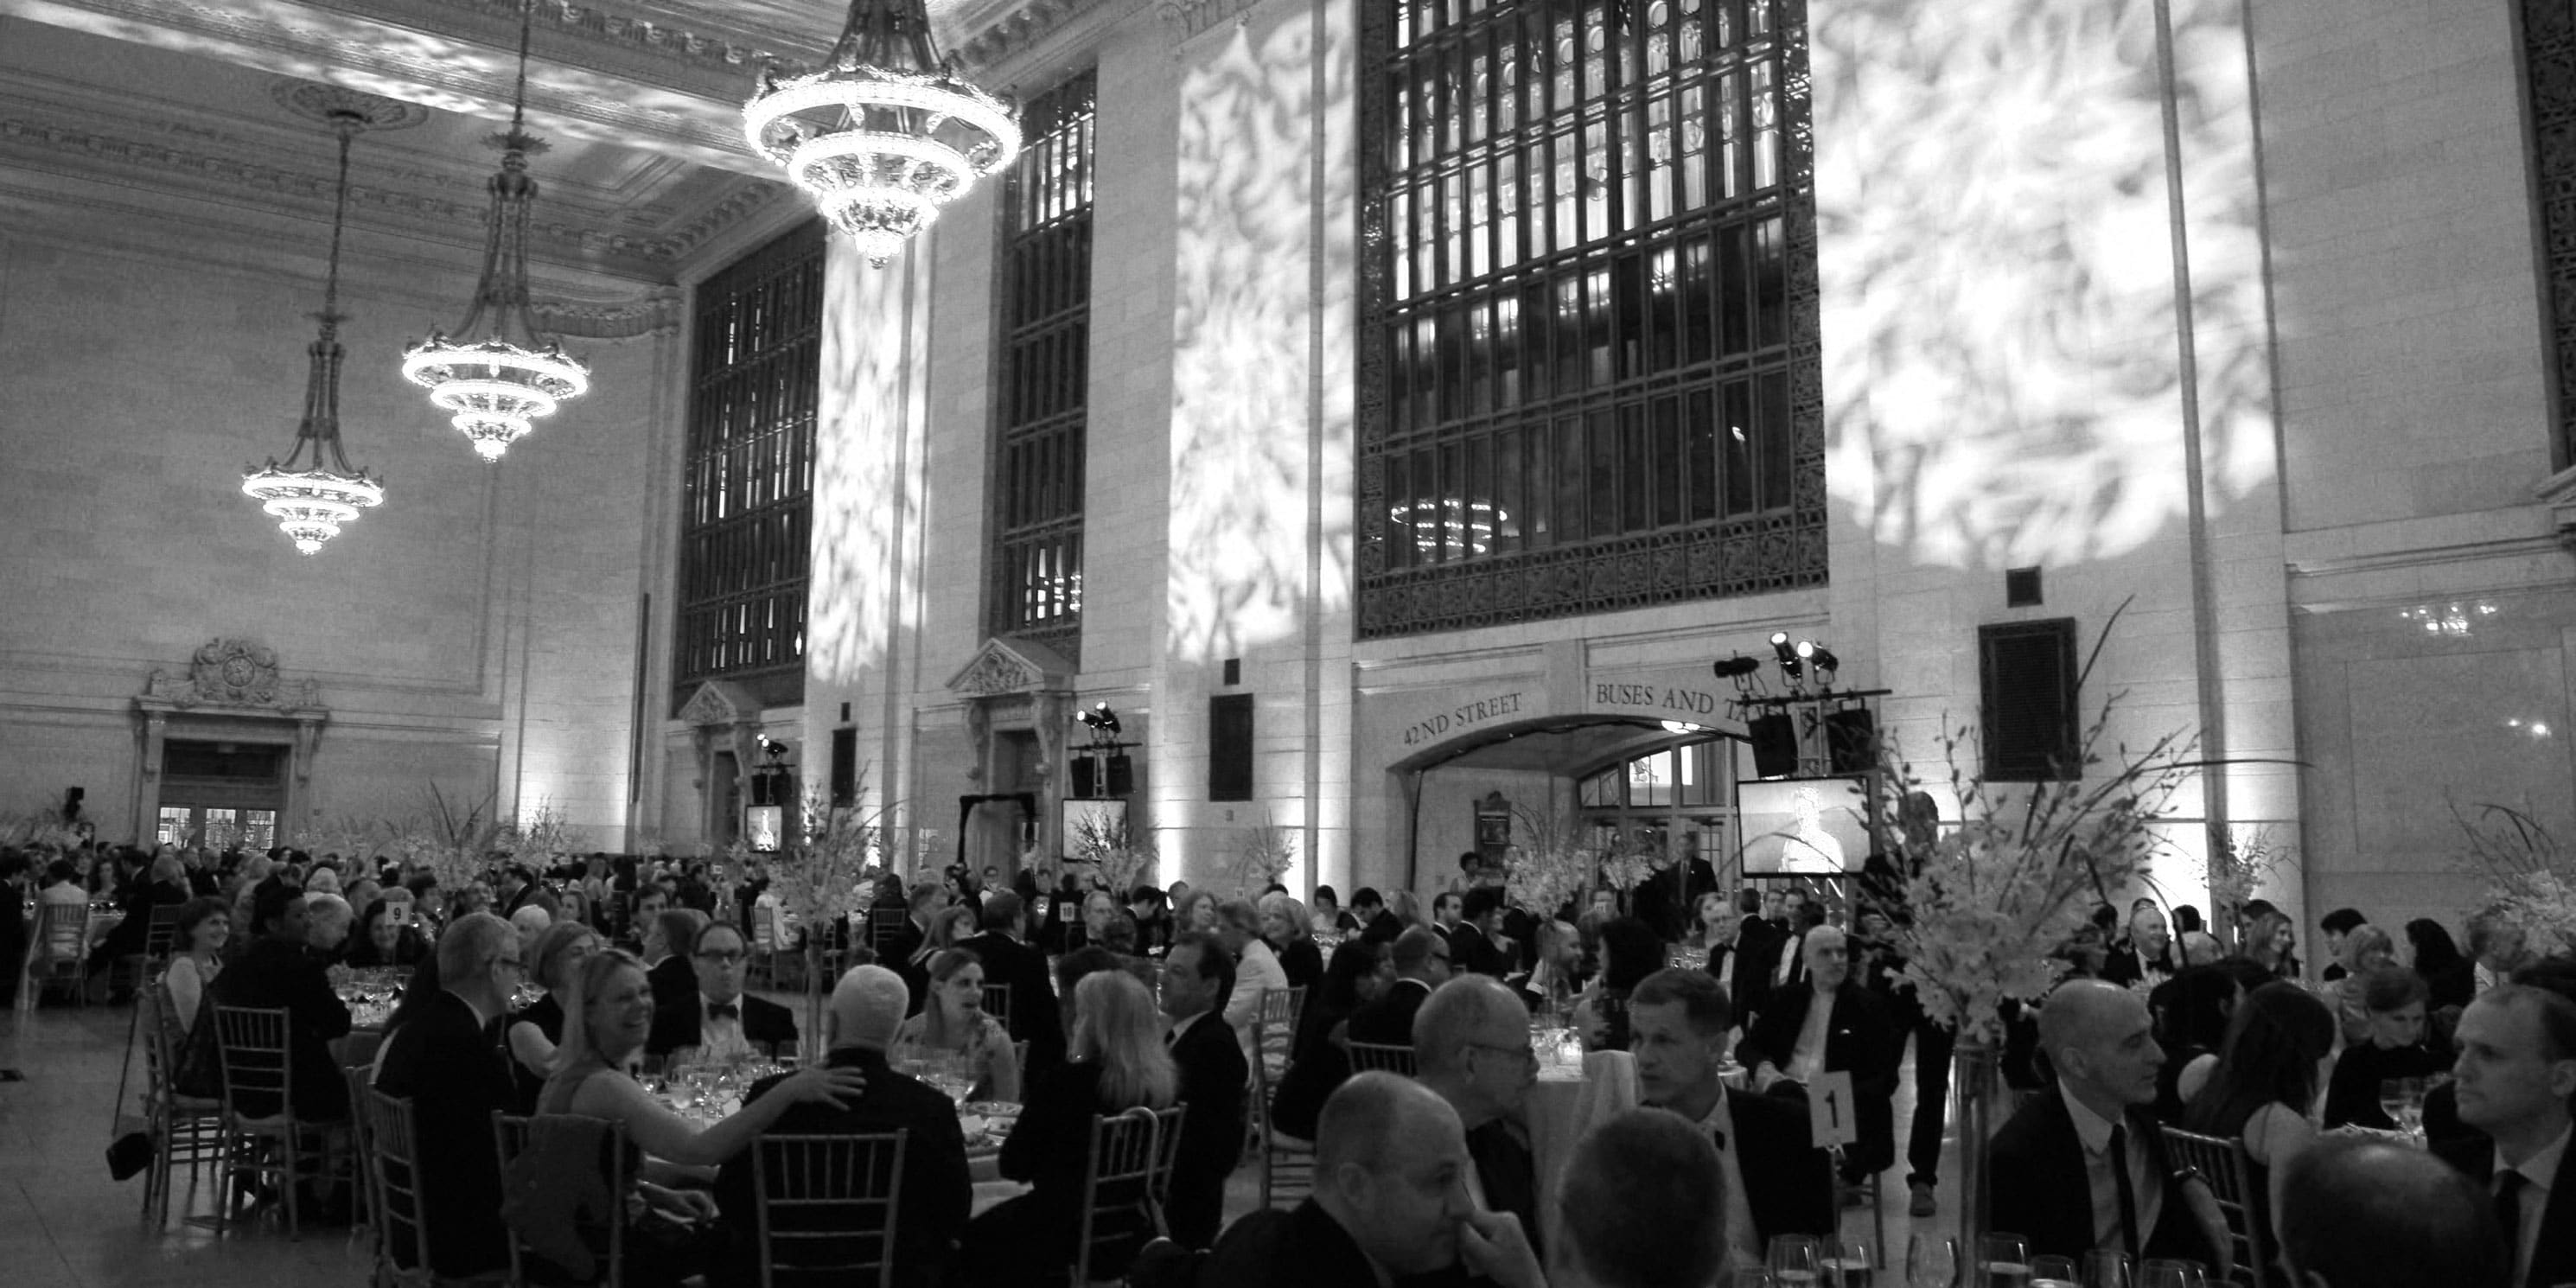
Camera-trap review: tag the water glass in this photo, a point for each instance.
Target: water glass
(2052, 1272)
(1795, 1261)
(1751, 1277)
(1932, 1261)
(2106, 1270)
(1850, 1261)
(2172, 1274)
(2392, 1099)
(2005, 1260)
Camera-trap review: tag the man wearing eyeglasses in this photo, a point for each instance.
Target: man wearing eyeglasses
(447, 1062)
(1471, 1045)
(1421, 965)
(717, 1018)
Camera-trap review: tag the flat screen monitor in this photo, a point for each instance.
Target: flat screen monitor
(1803, 825)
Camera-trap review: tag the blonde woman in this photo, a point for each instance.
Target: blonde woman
(1117, 1061)
(1256, 967)
(952, 1022)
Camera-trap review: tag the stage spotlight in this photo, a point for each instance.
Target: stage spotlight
(1101, 720)
(1736, 667)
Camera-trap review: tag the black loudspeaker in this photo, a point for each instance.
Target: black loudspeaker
(1122, 775)
(72, 803)
(1086, 778)
(1775, 745)
(1851, 740)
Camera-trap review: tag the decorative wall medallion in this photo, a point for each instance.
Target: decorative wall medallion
(233, 673)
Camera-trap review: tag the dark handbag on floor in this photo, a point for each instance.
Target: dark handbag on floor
(131, 1153)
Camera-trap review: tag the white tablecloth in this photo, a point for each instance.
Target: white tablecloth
(1563, 1106)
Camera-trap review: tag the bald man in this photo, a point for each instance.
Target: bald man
(1643, 1205)
(1472, 1048)
(1831, 1022)
(867, 1007)
(2081, 1168)
(2372, 1214)
(1390, 1203)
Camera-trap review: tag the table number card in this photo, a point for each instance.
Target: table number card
(1829, 1110)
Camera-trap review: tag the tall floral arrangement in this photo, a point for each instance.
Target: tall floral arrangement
(1990, 900)
(541, 840)
(1556, 863)
(817, 877)
(37, 829)
(1116, 845)
(2528, 875)
(2239, 863)
(1263, 854)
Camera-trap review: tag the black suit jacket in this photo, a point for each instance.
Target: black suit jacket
(937, 1191)
(2553, 1258)
(765, 1024)
(275, 973)
(1035, 1016)
(1753, 973)
(1388, 1021)
(1303, 1247)
(1470, 950)
(2123, 966)
(1788, 1182)
(452, 1069)
(2038, 1187)
(1213, 1073)
(1859, 1038)
(1303, 963)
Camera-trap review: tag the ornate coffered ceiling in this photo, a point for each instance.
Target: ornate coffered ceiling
(191, 107)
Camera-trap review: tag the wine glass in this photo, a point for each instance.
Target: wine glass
(1931, 1261)
(2005, 1259)
(2171, 1274)
(1750, 1277)
(2392, 1099)
(2410, 1110)
(2106, 1270)
(1849, 1260)
(1795, 1261)
(2052, 1272)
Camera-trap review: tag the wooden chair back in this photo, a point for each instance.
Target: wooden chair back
(2223, 1163)
(607, 1241)
(1366, 1056)
(162, 932)
(997, 1002)
(1122, 1191)
(392, 1145)
(826, 1208)
(256, 1061)
(62, 934)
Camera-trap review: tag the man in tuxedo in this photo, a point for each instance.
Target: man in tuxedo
(667, 970)
(2146, 955)
(1677, 1025)
(447, 1061)
(2375, 1214)
(1198, 976)
(867, 1007)
(714, 1017)
(2516, 1072)
(280, 971)
(1421, 964)
(1387, 1206)
(2081, 1167)
(926, 900)
(1472, 1047)
(520, 889)
(1477, 944)
(1831, 1023)
(1778, 962)
(1009, 959)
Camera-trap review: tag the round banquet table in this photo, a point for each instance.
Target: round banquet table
(1564, 1104)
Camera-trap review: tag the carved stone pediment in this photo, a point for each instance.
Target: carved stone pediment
(719, 702)
(230, 673)
(1008, 666)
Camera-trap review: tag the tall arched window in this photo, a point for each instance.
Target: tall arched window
(1588, 359)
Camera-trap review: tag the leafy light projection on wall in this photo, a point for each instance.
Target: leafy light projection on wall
(2001, 364)
(867, 493)
(1243, 343)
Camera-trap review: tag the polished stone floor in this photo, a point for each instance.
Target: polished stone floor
(65, 1224)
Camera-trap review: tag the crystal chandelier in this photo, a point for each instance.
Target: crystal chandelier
(886, 133)
(517, 372)
(311, 500)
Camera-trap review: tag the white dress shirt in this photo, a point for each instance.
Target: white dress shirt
(2538, 1172)
(720, 1038)
(1807, 1058)
(2145, 1187)
(1743, 1242)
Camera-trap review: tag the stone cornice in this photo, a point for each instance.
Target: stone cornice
(1187, 18)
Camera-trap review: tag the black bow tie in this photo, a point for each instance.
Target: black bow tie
(723, 1011)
